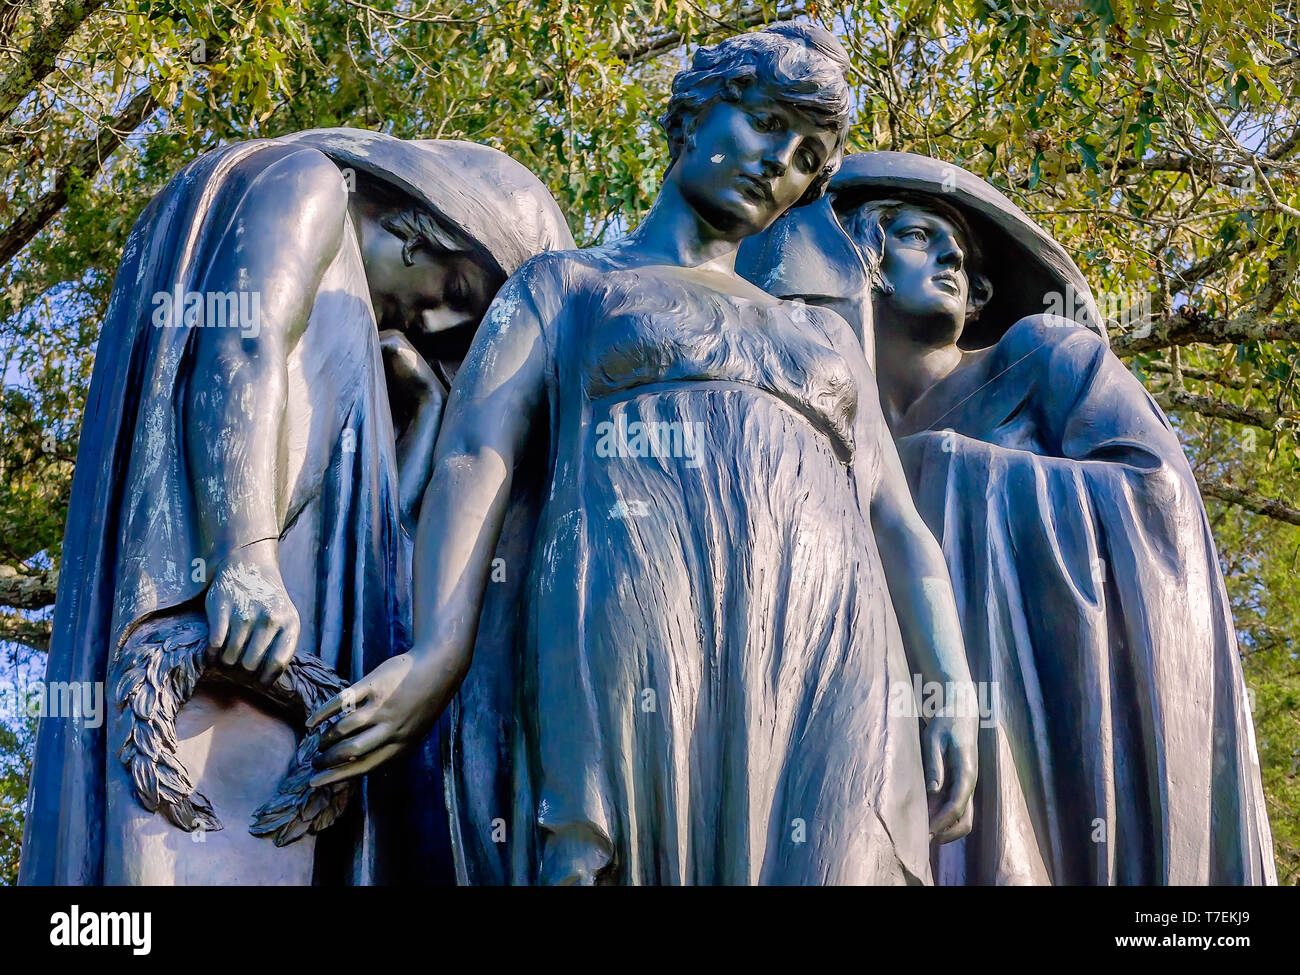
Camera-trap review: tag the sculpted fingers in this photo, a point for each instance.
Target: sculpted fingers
(251, 617)
(932, 758)
(356, 755)
(237, 635)
(343, 702)
(355, 747)
(958, 751)
(359, 767)
(965, 790)
(945, 816)
(281, 648)
(349, 724)
(965, 775)
(260, 635)
(960, 828)
(218, 613)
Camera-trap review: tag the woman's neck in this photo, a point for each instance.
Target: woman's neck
(906, 370)
(676, 233)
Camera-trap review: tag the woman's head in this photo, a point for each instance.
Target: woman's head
(923, 262)
(758, 124)
(441, 224)
(427, 278)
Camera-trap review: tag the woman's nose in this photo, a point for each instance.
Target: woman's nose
(950, 255)
(779, 154)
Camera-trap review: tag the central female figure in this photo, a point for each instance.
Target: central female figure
(699, 676)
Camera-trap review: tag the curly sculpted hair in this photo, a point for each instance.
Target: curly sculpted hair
(799, 65)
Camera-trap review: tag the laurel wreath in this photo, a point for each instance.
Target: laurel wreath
(157, 675)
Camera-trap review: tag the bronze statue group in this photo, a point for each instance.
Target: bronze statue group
(374, 605)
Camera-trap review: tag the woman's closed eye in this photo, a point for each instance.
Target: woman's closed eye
(457, 290)
(808, 160)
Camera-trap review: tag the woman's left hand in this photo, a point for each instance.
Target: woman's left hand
(948, 751)
(390, 709)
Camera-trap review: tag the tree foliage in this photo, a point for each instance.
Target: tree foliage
(1158, 140)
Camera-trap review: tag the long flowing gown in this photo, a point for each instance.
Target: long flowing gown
(1121, 750)
(695, 686)
(133, 535)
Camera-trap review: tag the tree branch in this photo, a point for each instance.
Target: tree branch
(1257, 503)
(1189, 326)
(631, 54)
(38, 60)
(30, 633)
(9, 11)
(85, 159)
(1201, 270)
(1281, 273)
(1200, 375)
(666, 42)
(1208, 406)
(1222, 173)
(27, 590)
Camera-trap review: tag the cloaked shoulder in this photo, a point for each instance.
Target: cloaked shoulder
(1085, 396)
(279, 210)
(295, 180)
(1053, 332)
(1059, 351)
(542, 284)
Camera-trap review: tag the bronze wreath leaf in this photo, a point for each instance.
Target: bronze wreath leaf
(157, 675)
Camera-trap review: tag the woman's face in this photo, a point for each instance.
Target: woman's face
(747, 162)
(438, 295)
(925, 262)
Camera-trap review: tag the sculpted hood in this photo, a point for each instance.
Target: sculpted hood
(806, 253)
(480, 190)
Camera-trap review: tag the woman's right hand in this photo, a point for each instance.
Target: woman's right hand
(388, 710)
(410, 378)
(252, 622)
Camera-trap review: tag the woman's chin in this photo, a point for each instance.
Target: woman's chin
(733, 215)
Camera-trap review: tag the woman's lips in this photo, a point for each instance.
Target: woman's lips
(948, 282)
(755, 188)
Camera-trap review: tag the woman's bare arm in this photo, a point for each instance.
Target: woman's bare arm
(278, 244)
(921, 591)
